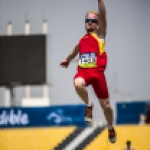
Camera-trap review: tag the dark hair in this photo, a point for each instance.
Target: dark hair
(128, 142)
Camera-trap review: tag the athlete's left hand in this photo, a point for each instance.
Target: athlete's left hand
(64, 63)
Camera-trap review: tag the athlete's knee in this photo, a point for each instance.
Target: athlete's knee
(79, 82)
(105, 104)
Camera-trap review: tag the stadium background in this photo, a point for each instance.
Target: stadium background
(128, 67)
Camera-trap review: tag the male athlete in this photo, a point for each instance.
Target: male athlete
(91, 66)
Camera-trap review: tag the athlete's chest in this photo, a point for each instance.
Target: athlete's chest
(88, 44)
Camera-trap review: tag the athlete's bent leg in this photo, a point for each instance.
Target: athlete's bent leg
(80, 87)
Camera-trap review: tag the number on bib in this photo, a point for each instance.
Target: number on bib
(87, 60)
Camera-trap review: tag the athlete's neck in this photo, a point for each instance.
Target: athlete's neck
(92, 33)
(90, 30)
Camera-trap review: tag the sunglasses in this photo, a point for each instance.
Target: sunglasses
(91, 20)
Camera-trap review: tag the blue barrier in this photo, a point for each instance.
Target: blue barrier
(66, 115)
(129, 112)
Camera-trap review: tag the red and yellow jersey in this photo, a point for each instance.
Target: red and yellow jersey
(92, 52)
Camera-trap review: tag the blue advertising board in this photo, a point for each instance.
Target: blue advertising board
(65, 115)
(129, 112)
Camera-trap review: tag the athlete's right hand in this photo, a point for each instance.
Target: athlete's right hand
(64, 63)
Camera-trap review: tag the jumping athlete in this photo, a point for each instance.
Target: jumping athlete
(91, 66)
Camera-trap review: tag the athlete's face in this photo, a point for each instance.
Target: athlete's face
(91, 22)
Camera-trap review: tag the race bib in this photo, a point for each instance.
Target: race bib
(87, 60)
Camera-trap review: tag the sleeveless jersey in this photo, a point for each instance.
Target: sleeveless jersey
(92, 54)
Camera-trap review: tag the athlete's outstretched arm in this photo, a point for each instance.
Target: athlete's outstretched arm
(73, 53)
(71, 56)
(102, 19)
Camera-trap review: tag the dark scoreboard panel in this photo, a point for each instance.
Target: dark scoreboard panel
(23, 59)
